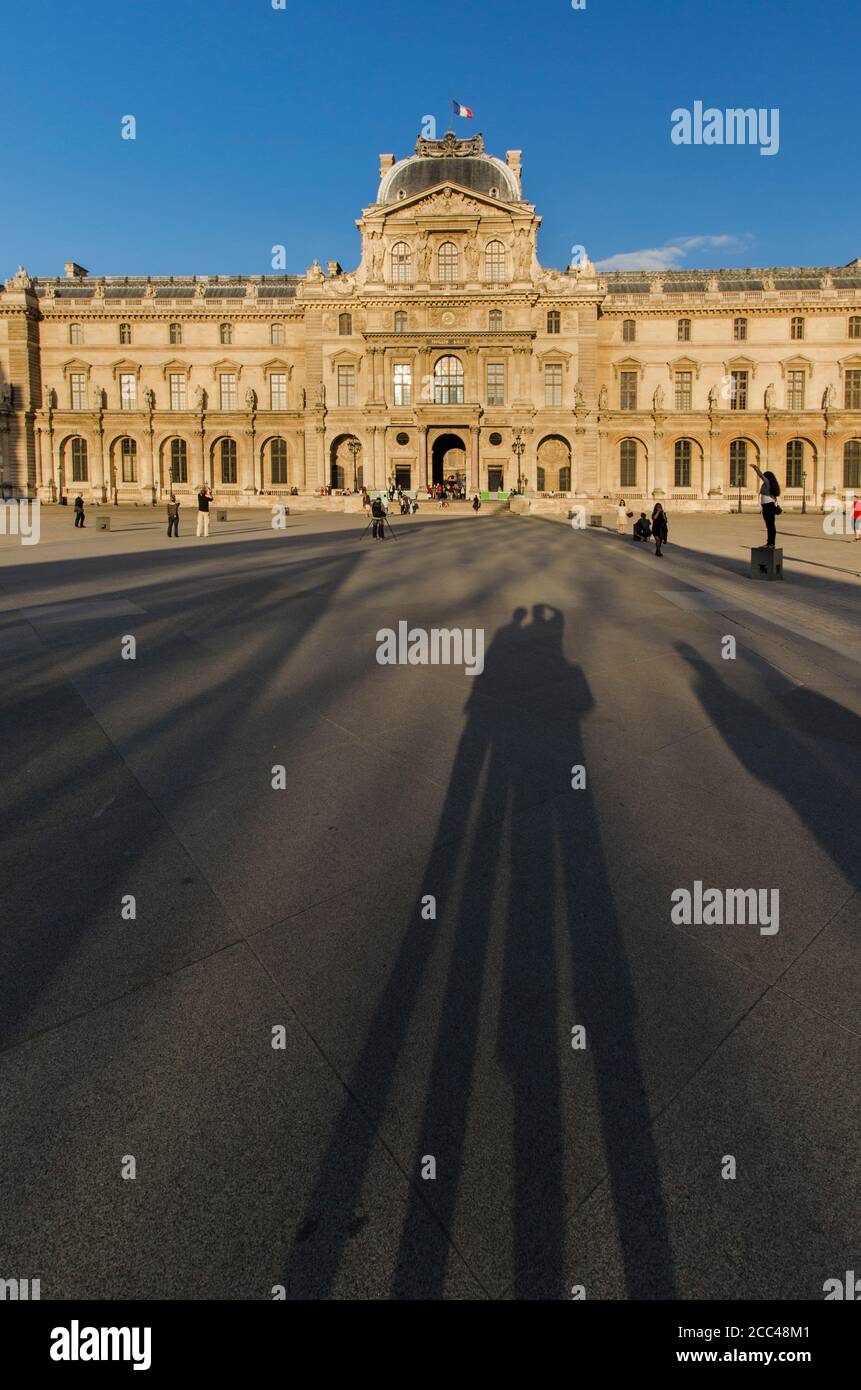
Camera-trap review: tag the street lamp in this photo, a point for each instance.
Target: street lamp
(519, 446)
(804, 494)
(354, 446)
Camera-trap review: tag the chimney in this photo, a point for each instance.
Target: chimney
(73, 270)
(513, 159)
(386, 162)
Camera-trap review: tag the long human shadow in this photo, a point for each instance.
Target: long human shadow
(819, 783)
(510, 778)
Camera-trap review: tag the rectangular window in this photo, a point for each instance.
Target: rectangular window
(346, 385)
(227, 383)
(496, 384)
(795, 391)
(797, 329)
(276, 334)
(553, 383)
(738, 396)
(628, 390)
(684, 390)
(128, 391)
(76, 334)
(684, 331)
(178, 395)
(739, 330)
(278, 391)
(78, 382)
(403, 383)
(852, 400)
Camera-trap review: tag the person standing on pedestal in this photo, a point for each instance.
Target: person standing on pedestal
(768, 495)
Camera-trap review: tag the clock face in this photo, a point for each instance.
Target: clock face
(448, 319)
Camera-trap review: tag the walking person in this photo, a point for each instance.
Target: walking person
(768, 495)
(204, 497)
(476, 503)
(79, 511)
(173, 517)
(622, 514)
(856, 518)
(660, 528)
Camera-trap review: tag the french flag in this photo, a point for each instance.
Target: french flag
(462, 110)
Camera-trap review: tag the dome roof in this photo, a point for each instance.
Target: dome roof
(450, 161)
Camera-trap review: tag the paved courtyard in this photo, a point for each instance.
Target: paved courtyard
(422, 910)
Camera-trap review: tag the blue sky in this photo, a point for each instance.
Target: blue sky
(258, 127)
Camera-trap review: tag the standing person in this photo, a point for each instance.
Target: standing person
(622, 514)
(378, 519)
(173, 516)
(660, 528)
(856, 518)
(768, 495)
(476, 503)
(79, 511)
(204, 497)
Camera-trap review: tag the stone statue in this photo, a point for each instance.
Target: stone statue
(321, 393)
(522, 253)
(603, 399)
(304, 398)
(48, 398)
(97, 398)
(149, 399)
(315, 271)
(200, 397)
(5, 396)
(658, 398)
(768, 398)
(251, 398)
(200, 289)
(424, 256)
(714, 397)
(472, 256)
(579, 398)
(828, 398)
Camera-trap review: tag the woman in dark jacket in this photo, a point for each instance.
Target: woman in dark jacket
(660, 528)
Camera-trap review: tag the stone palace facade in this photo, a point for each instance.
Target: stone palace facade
(449, 351)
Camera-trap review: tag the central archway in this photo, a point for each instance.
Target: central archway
(448, 459)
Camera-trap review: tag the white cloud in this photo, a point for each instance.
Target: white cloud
(671, 256)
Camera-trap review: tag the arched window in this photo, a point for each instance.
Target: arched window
(852, 463)
(128, 461)
(738, 463)
(345, 325)
(176, 335)
(554, 321)
(228, 460)
(400, 321)
(855, 326)
(79, 460)
(794, 462)
(494, 262)
(448, 381)
(683, 463)
(628, 463)
(226, 334)
(276, 334)
(448, 262)
(125, 334)
(402, 264)
(684, 330)
(178, 461)
(494, 320)
(629, 331)
(278, 460)
(76, 334)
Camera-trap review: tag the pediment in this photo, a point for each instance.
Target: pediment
(443, 200)
(173, 366)
(226, 366)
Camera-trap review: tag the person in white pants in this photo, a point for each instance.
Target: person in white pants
(204, 497)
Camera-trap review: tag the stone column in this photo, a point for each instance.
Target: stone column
(102, 480)
(201, 433)
(246, 464)
(473, 460)
(299, 479)
(707, 470)
(378, 477)
(828, 483)
(148, 468)
(423, 479)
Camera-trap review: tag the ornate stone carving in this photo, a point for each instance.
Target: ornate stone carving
(251, 399)
(314, 273)
(200, 289)
(768, 398)
(200, 397)
(829, 396)
(149, 399)
(603, 399)
(449, 146)
(97, 398)
(373, 257)
(472, 256)
(658, 399)
(424, 256)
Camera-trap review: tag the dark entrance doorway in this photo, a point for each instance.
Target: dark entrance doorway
(448, 460)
